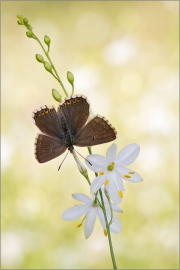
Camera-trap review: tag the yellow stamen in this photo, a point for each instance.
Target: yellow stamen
(106, 182)
(127, 175)
(131, 172)
(112, 163)
(120, 193)
(105, 232)
(80, 225)
(101, 173)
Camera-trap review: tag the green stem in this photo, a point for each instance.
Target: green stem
(72, 89)
(47, 55)
(110, 205)
(107, 225)
(108, 231)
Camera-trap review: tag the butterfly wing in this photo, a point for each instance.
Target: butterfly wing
(47, 148)
(97, 131)
(47, 121)
(75, 110)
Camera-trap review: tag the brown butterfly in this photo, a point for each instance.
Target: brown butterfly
(67, 127)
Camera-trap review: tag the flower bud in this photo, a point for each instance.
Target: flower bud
(39, 58)
(106, 193)
(20, 22)
(47, 66)
(29, 27)
(29, 34)
(25, 21)
(56, 95)
(81, 167)
(47, 40)
(70, 77)
(20, 17)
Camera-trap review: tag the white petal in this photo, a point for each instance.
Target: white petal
(116, 225)
(127, 155)
(90, 221)
(117, 177)
(116, 208)
(97, 183)
(113, 190)
(76, 212)
(99, 163)
(82, 198)
(101, 217)
(111, 153)
(129, 175)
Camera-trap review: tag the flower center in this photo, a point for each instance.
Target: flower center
(111, 166)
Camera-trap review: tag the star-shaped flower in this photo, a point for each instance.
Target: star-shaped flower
(111, 170)
(91, 209)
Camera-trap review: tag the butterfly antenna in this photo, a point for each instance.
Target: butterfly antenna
(83, 157)
(63, 161)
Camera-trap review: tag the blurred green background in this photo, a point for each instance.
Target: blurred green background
(124, 56)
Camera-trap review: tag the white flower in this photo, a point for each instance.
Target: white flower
(91, 209)
(111, 170)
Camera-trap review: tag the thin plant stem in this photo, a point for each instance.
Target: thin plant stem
(107, 224)
(53, 67)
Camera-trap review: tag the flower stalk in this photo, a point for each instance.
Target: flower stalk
(107, 224)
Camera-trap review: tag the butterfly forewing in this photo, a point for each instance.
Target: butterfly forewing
(47, 148)
(97, 131)
(47, 121)
(75, 111)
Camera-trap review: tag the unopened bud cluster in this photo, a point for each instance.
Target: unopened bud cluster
(24, 21)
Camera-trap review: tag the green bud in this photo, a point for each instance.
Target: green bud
(25, 21)
(47, 40)
(47, 66)
(29, 27)
(56, 95)
(29, 34)
(39, 58)
(20, 17)
(20, 22)
(70, 77)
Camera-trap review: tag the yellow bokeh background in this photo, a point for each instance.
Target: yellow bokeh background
(124, 56)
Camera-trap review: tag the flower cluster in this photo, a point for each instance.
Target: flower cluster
(111, 173)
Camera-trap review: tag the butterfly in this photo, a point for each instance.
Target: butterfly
(67, 128)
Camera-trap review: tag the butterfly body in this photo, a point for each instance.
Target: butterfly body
(67, 127)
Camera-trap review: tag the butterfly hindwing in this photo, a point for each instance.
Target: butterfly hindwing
(47, 121)
(47, 148)
(97, 131)
(76, 111)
